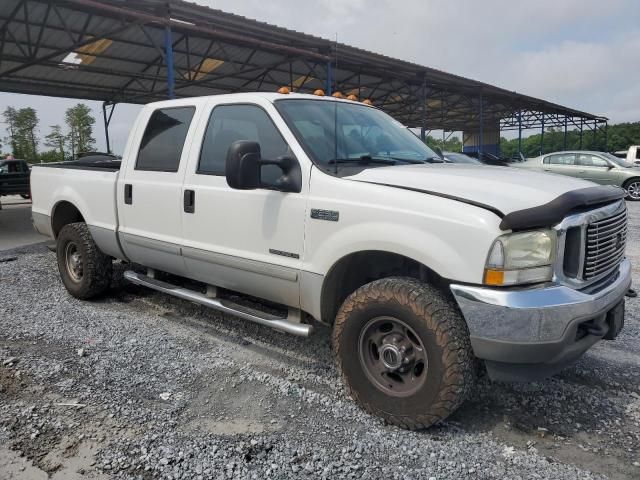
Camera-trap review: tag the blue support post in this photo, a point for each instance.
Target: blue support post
(329, 78)
(168, 50)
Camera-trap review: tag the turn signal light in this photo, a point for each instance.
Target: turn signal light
(284, 90)
(319, 92)
(493, 277)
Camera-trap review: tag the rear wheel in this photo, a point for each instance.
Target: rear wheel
(85, 271)
(632, 189)
(404, 352)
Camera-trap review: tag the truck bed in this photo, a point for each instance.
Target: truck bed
(90, 187)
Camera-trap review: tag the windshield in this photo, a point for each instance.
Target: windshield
(617, 160)
(341, 134)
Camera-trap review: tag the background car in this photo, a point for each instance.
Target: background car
(599, 167)
(457, 157)
(14, 178)
(489, 159)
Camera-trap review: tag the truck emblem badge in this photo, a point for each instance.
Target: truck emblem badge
(284, 254)
(328, 215)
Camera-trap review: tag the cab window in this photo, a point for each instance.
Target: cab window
(230, 123)
(163, 139)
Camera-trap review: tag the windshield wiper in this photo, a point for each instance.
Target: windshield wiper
(364, 160)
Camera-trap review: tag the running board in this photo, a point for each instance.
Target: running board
(290, 324)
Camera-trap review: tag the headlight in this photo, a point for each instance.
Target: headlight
(524, 257)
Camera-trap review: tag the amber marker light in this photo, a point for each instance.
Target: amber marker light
(284, 90)
(493, 277)
(319, 92)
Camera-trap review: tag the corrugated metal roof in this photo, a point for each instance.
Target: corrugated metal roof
(128, 62)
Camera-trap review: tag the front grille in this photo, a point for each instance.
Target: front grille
(605, 243)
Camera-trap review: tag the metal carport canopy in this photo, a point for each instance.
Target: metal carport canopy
(138, 51)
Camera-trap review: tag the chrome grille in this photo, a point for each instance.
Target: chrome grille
(605, 244)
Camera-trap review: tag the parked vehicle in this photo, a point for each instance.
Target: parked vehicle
(489, 159)
(598, 167)
(14, 178)
(327, 210)
(456, 157)
(632, 155)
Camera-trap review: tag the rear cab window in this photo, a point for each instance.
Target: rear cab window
(163, 139)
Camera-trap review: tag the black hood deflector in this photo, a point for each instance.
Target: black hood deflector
(554, 212)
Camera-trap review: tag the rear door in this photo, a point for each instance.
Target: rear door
(561, 163)
(595, 168)
(149, 192)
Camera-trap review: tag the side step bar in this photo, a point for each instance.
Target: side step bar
(290, 324)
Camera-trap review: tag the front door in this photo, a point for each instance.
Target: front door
(249, 241)
(149, 192)
(595, 168)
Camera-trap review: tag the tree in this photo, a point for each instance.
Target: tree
(80, 123)
(26, 126)
(57, 141)
(10, 115)
(22, 126)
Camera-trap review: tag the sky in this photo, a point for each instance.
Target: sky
(584, 54)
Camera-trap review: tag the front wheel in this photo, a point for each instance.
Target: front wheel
(404, 352)
(632, 189)
(84, 269)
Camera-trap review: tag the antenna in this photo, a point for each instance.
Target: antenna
(335, 112)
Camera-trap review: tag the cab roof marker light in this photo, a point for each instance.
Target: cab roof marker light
(284, 90)
(319, 92)
(366, 101)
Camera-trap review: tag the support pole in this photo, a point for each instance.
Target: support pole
(606, 136)
(595, 133)
(423, 127)
(581, 124)
(168, 47)
(106, 126)
(481, 133)
(329, 78)
(542, 137)
(519, 131)
(564, 142)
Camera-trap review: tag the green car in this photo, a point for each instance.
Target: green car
(599, 167)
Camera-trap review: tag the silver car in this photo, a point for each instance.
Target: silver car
(599, 167)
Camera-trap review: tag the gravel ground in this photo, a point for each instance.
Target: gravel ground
(141, 385)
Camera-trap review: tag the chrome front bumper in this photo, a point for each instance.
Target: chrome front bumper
(538, 325)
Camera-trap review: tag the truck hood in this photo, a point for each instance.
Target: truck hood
(504, 189)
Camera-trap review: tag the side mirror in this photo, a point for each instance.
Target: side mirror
(242, 167)
(244, 164)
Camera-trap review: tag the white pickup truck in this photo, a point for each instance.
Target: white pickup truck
(328, 210)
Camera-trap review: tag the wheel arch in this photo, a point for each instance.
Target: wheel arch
(63, 213)
(356, 269)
